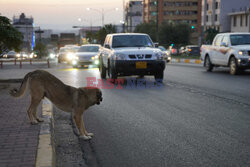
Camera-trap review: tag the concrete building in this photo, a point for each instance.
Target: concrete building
(133, 14)
(25, 26)
(175, 11)
(45, 35)
(215, 13)
(240, 20)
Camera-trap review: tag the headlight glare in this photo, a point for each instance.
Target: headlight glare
(243, 52)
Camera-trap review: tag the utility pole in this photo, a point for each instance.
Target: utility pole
(157, 20)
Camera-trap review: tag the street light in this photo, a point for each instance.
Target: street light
(102, 12)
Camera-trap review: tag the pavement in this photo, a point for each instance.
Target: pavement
(18, 138)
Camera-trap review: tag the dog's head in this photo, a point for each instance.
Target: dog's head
(94, 93)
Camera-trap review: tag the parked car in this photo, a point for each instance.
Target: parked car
(192, 50)
(10, 54)
(166, 54)
(229, 50)
(86, 55)
(126, 54)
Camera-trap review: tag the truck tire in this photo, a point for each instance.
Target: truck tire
(234, 69)
(112, 73)
(103, 70)
(209, 66)
(159, 76)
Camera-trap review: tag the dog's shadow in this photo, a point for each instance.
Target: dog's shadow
(87, 147)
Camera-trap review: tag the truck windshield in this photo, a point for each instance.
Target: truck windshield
(240, 39)
(131, 41)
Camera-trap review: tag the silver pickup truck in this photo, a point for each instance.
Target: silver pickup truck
(125, 54)
(228, 50)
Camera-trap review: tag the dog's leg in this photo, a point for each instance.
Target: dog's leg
(33, 105)
(34, 112)
(80, 125)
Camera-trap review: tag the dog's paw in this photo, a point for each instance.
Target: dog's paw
(90, 134)
(85, 137)
(40, 120)
(34, 122)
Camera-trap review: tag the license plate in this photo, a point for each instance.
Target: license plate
(141, 65)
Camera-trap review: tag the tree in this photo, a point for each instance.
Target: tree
(177, 34)
(107, 29)
(91, 36)
(147, 28)
(10, 37)
(41, 50)
(210, 34)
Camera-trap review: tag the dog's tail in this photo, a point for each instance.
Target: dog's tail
(18, 93)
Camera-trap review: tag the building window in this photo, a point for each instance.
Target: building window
(241, 20)
(246, 20)
(207, 18)
(216, 5)
(235, 21)
(216, 17)
(207, 6)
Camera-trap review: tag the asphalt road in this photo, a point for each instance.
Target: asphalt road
(195, 119)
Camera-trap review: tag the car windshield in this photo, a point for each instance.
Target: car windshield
(88, 49)
(131, 41)
(241, 39)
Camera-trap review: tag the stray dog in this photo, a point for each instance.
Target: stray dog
(67, 98)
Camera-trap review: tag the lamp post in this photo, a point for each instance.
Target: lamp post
(102, 12)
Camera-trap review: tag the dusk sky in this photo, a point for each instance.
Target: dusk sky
(63, 14)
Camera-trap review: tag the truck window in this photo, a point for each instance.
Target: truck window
(240, 39)
(225, 40)
(218, 40)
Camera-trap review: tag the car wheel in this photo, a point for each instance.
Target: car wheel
(234, 70)
(209, 66)
(112, 73)
(103, 70)
(159, 76)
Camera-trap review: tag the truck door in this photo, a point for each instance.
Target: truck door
(224, 49)
(216, 54)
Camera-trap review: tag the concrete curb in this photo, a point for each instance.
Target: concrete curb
(46, 146)
(191, 61)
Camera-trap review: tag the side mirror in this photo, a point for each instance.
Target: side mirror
(223, 44)
(107, 46)
(156, 45)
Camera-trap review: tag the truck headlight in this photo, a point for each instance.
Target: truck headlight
(52, 56)
(159, 56)
(70, 56)
(120, 56)
(243, 52)
(74, 62)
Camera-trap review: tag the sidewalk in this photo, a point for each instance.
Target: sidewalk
(18, 138)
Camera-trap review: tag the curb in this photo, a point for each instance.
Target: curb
(190, 61)
(46, 146)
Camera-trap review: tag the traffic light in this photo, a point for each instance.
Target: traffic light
(192, 27)
(172, 44)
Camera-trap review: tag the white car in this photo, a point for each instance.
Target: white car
(126, 54)
(86, 55)
(10, 54)
(228, 50)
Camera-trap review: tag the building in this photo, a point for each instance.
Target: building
(240, 20)
(25, 26)
(175, 11)
(133, 14)
(46, 33)
(215, 13)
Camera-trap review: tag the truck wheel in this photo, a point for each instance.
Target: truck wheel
(234, 69)
(103, 70)
(112, 73)
(209, 66)
(159, 76)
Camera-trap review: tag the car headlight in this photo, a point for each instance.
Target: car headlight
(243, 52)
(120, 56)
(70, 56)
(52, 56)
(74, 62)
(159, 56)
(18, 55)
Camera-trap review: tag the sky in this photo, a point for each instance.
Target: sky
(63, 14)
